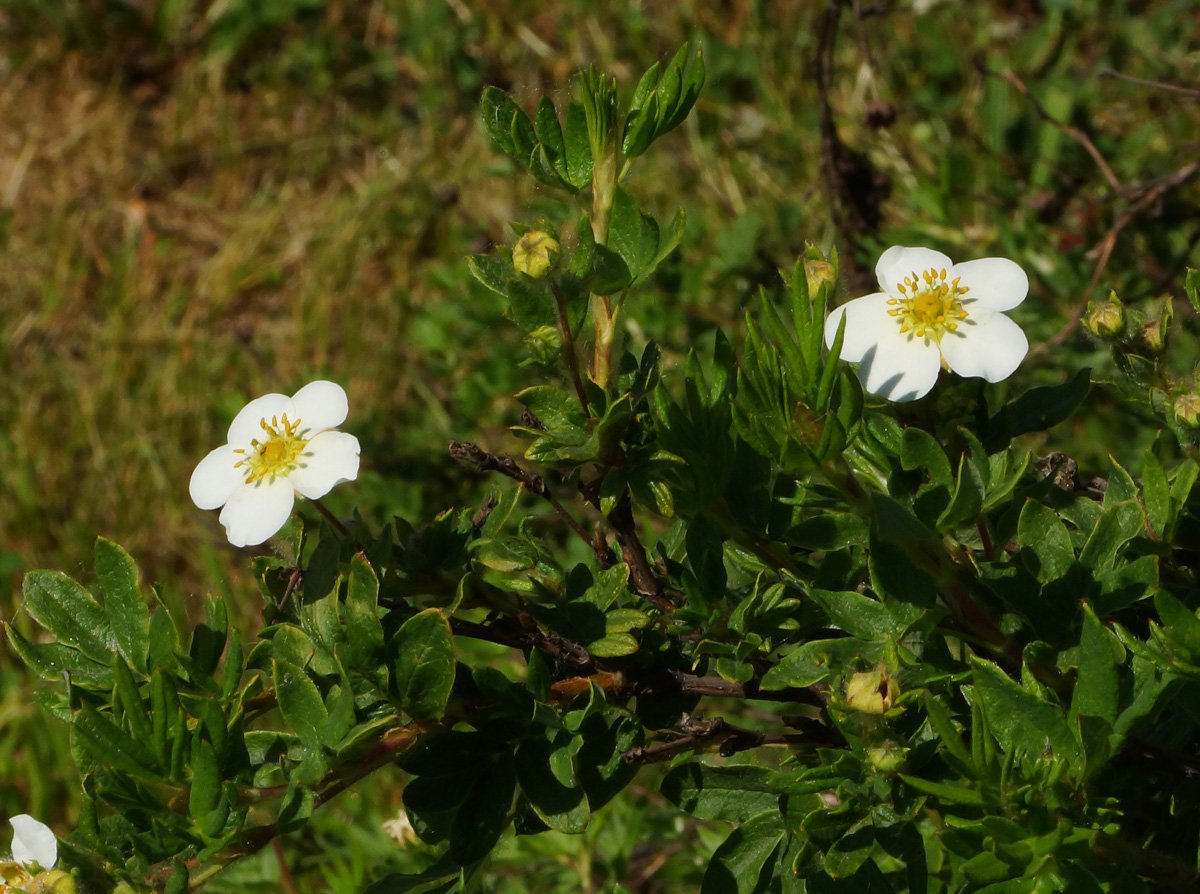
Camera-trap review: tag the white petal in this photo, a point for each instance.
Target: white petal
(900, 367)
(33, 842)
(867, 321)
(256, 511)
(330, 458)
(898, 262)
(247, 424)
(320, 405)
(992, 283)
(990, 346)
(215, 478)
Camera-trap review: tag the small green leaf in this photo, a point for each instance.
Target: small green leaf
(946, 793)
(920, 450)
(967, 501)
(364, 631)
(859, 615)
(549, 133)
(484, 815)
(733, 793)
(1019, 719)
(745, 856)
(128, 615)
(51, 660)
(1045, 542)
(561, 805)
(819, 660)
(423, 671)
(69, 613)
(205, 789)
(295, 807)
(491, 272)
(553, 407)
(632, 234)
(1156, 493)
(111, 745)
(578, 147)
(1118, 524)
(300, 702)
(1191, 284)
(1097, 690)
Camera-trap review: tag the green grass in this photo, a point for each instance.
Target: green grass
(200, 204)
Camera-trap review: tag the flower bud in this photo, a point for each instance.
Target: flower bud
(1105, 319)
(535, 254)
(55, 881)
(1187, 410)
(872, 692)
(545, 344)
(887, 758)
(819, 273)
(1153, 334)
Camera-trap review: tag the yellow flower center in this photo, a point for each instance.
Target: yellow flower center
(929, 307)
(278, 455)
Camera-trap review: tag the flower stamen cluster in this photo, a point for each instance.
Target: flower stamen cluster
(278, 456)
(930, 310)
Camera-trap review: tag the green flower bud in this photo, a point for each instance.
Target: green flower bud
(1187, 410)
(819, 273)
(55, 881)
(872, 692)
(1105, 319)
(535, 254)
(544, 344)
(887, 758)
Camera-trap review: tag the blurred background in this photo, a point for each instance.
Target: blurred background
(201, 202)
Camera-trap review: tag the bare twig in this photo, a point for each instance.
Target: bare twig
(709, 735)
(506, 465)
(1189, 92)
(641, 575)
(522, 632)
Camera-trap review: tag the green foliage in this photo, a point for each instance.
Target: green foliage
(973, 671)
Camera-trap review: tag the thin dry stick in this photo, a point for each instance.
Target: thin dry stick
(1157, 85)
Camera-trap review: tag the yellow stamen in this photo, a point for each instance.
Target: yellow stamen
(279, 454)
(929, 306)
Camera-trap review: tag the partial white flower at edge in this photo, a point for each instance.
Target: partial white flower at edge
(33, 843)
(930, 314)
(278, 446)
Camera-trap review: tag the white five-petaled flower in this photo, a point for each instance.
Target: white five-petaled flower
(278, 446)
(33, 843)
(932, 313)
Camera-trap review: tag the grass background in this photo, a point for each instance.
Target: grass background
(201, 202)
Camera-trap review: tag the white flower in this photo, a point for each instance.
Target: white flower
(33, 842)
(932, 313)
(278, 447)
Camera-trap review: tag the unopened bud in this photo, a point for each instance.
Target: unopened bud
(887, 758)
(1105, 319)
(819, 273)
(1187, 410)
(872, 692)
(55, 881)
(1153, 334)
(544, 344)
(535, 254)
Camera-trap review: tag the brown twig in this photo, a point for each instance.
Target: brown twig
(709, 735)
(1073, 132)
(1189, 92)
(641, 575)
(522, 632)
(469, 454)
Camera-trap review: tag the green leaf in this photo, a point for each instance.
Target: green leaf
(920, 450)
(553, 407)
(967, 501)
(1120, 485)
(491, 272)
(295, 807)
(640, 125)
(946, 793)
(1097, 690)
(51, 660)
(423, 671)
(1191, 284)
(499, 112)
(1038, 409)
(563, 807)
(300, 703)
(679, 88)
(743, 858)
(1045, 542)
(128, 615)
(1019, 719)
(847, 855)
(112, 745)
(732, 793)
(484, 815)
(364, 631)
(549, 133)
(205, 789)
(859, 615)
(69, 613)
(578, 147)
(1156, 493)
(1118, 524)
(631, 233)
(819, 660)
(1179, 623)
